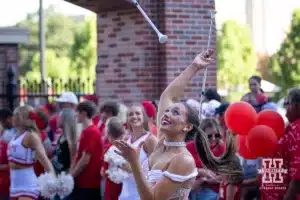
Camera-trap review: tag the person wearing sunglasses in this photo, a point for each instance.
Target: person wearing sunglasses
(207, 183)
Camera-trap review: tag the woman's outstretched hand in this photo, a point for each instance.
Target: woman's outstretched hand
(128, 152)
(203, 59)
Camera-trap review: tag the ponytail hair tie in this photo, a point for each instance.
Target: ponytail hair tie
(38, 121)
(33, 116)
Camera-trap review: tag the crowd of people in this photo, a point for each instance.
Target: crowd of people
(169, 152)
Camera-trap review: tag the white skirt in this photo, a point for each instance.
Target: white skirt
(23, 183)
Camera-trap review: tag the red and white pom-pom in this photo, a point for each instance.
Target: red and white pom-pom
(66, 185)
(48, 185)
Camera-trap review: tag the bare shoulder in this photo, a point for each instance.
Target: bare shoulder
(32, 136)
(126, 137)
(150, 144)
(182, 164)
(246, 96)
(151, 140)
(31, 139)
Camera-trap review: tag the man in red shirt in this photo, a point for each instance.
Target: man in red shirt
(288, 151)
(88, 163)
(108, 109)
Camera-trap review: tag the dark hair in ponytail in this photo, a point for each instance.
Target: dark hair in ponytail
(228, 163)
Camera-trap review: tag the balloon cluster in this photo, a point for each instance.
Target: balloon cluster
(258, 133)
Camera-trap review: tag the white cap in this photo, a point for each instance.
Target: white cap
(194, 104)
(209, 108)
(67, 97)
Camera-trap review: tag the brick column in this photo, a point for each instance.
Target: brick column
(133, 66)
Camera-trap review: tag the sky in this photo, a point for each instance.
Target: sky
(268, 34)
(10, 14)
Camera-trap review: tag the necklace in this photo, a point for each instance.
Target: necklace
(174, 144)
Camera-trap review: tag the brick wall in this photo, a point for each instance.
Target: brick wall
(8, 56)
(133, 66)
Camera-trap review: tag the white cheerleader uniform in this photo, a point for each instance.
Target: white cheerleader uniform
(155, 176)
(129, 188)
(23, 182)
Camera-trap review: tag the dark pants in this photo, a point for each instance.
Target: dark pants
(251, 193)
(86, 194)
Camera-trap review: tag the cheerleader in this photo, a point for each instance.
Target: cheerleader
(22, 152)
(172, 168)
(137, 123)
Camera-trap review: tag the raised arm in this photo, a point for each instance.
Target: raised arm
(176, 88)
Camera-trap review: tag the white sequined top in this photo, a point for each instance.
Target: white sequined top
(155, 175)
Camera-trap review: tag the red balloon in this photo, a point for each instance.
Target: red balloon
(273, 120)
(243, 149)
(261, 141)
(240, 117)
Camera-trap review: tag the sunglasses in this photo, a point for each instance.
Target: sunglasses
(217, 136)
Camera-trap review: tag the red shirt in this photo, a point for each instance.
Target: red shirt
(53, 123)
(223, 188)
(96, 120)
(288, 149)
(4, 174)
(217, 151)
(112, 190)
(101, 127)
(91, 143)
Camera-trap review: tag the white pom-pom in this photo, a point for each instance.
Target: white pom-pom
(115, 161)
(117, 175)
(48, 185)
(66, 185)
(113, 158)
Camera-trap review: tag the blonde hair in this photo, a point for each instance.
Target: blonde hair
(122, 113)
(23, 112)
(69, 126)
(145, 117)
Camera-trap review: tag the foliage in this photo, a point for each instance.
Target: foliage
(70, 46)
(285, 64)
(83, 50)
(236, 59)
(57, 67)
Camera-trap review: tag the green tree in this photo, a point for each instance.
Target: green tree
(236, 59)
(71, 50)
(285, 64)
(83, 50)
(57, 67)
(59, 36)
